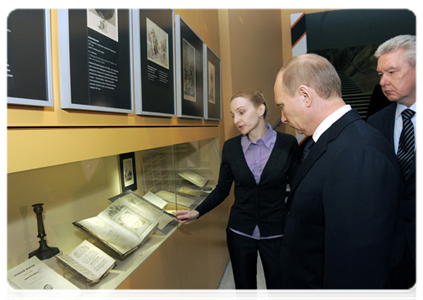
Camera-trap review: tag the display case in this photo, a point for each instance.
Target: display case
(181, 174)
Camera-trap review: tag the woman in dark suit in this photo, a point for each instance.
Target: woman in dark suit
(261, 162)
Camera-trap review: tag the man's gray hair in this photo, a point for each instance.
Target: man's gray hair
(408, 42)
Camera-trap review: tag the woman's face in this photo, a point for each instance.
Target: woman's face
(246, 116)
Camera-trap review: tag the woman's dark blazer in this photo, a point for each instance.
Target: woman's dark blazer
(260, 204)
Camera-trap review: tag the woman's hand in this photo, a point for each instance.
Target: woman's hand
(185, 216)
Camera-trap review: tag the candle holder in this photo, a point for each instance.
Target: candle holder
(44, 251)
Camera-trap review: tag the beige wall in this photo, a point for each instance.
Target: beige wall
(252, 43)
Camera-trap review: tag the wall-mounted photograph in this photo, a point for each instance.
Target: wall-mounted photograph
(189, 71)
(29, 70)
(154, 70)
(95, 59)
(212, 85)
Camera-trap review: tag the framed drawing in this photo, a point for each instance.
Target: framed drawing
(212, 85)
(189, 71)
(29, 70)
(154, 71)
(95, 59)
(128, 177)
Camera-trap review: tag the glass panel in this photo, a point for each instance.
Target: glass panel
(182, 175)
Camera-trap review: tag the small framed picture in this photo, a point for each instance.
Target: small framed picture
(128, 177)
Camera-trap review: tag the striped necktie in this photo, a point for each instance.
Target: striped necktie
(406, 143)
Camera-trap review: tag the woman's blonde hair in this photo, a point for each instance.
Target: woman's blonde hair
(254, 96)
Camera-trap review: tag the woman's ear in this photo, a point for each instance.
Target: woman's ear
(261, 110)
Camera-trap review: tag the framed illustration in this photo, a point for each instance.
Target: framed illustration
(95, 59)
(128, 178)
(29, 70)
(154, 56)
(189, 71)
(212, 85)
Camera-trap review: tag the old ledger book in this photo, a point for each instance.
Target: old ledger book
(156, 209)
(88, 262)
(123, 226)
(33, 279)
(194, 178)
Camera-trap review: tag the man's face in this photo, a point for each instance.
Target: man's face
(397, 77)
(292, 110)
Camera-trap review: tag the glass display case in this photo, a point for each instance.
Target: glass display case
(181, 175)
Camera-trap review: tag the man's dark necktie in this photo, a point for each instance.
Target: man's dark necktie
(406, 143)
(308, 144)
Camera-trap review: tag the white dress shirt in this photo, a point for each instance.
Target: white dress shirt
(332, 118)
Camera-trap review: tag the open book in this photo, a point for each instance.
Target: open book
(123, 226)
(194, 178)
(156, 209)
(88, 262)
(33, 279)
(176, 198)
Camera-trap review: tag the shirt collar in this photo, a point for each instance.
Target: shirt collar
(267, 138)
(402, 107)
(332, 118)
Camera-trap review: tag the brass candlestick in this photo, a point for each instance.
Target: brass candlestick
(44, 251)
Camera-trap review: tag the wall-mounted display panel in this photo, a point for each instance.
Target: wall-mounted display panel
(29, 71)
(154, 68)
(189, 70)
(212, 85)
(95, 59)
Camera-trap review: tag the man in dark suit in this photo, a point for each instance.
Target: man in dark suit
(397, 70)
(343, 204)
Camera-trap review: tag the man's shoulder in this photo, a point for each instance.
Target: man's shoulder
(385, 112)
(286, 138)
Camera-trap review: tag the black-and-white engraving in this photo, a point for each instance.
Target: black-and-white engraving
(128, 172)
(104, 21)
(211, 83)
(189, 71)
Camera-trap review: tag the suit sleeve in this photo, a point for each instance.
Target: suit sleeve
(223, 186)
(294, 159)
(361, 198)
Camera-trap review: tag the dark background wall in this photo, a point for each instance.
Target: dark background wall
(357, 27)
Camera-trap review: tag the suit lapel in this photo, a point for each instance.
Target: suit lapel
(388, 131)
(238, 153)
(320, 147)
(416, 161)
(274, 154)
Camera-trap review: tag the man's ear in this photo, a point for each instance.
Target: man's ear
(305, 94)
